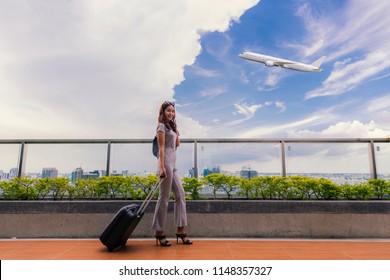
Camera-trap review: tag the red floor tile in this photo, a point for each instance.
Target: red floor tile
(202, 249)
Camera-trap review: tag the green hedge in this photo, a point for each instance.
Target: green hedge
(220, 185)
(104, 188)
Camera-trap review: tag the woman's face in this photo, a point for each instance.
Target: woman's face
(170, 112)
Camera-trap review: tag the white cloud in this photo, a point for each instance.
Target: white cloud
(100, 69)
(362, 27)
(378, 109)
(244, 78)
(281, 106)
(349, 129)
(281, 129)
(247, 111)
(272, 79)
(190, 128)
(199, 71)
(378, 104)
(336, 121)
(219, 45)
(212, 92)
(346, 77)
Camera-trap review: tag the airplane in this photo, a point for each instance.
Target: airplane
(284, 63)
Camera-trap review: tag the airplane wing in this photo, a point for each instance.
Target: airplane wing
(282, 63)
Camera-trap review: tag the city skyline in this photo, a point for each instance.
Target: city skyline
(246, 172)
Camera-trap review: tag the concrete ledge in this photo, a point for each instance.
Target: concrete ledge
(209, 218)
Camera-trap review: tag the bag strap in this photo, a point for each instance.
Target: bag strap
(148, 198)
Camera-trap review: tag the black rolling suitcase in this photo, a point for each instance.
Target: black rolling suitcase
(124, 222)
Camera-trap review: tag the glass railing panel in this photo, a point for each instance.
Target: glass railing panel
(137, 159)
(185, 160)
(9, 154)
(237, 158)
(65, 158)
(345, 160)
(132, 159)
(382, 155)
(340, 162)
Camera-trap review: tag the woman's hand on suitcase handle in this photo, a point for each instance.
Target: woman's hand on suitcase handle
(162, 172)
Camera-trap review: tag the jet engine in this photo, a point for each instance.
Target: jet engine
(269, 63)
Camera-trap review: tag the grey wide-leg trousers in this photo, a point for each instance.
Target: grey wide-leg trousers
(170, 183)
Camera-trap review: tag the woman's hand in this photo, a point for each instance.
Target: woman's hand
(163, 172)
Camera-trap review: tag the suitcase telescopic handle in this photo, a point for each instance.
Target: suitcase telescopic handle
(148, 198)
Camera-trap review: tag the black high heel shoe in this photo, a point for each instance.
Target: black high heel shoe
(165, 243)
(183, 238)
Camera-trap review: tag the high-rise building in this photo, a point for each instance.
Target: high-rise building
(91, 175)
(49, 172)
(191, 172)
(77, 174)
(13, 173)
(208, 171)
(247, 172)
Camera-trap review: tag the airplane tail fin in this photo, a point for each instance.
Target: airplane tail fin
(319, 61)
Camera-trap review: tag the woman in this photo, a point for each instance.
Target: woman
(168, 141)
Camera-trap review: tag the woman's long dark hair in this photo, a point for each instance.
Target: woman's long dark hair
(171, 125)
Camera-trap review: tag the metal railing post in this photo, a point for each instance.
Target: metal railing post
(108, 165)
(195, 159)
(282, 159)
(22, 159)
(371, 156)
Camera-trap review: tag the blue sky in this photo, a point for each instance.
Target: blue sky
(350, 98)
(100, 69)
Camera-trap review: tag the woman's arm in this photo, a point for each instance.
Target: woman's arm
(161, 151)
(177, 140)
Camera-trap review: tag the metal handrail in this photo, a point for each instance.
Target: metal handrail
(199, 140)
(196, 141)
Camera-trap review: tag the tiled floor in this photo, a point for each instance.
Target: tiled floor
(202, 249)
